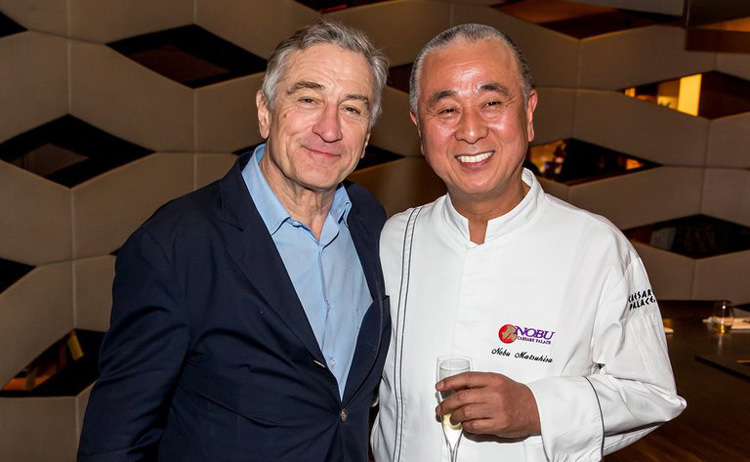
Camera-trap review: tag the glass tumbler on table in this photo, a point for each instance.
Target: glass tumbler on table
(448, 366)
(722, 316)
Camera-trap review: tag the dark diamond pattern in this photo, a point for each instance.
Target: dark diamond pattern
(721, 95)
(604, 23)
(697, 236)
(11, 271)
(191, 56)
(64, 369)
(8, 26)
(327, 6)
(376, 156)
(573, 162)
(69, 151)
(581, 20)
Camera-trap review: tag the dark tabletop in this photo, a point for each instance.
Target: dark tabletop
(716, 424)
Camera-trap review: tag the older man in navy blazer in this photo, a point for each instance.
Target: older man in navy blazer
(249, 320)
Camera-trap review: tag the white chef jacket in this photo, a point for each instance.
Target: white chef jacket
(556, 298)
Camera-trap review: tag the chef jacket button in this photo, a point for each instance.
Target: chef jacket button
(343, 415)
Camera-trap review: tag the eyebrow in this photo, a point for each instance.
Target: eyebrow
(497, 88)
(487, 87)
(310, 85)
(437, 97)
(357, 97)
(304, 85)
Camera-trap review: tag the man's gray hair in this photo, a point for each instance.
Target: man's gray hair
(332, 33)
(471, 33)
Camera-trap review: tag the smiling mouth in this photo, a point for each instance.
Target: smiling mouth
(475, 158)
(322, 152)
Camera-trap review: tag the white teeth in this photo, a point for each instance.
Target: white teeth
(475, 158)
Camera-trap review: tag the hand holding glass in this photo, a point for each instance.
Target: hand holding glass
(448, 366)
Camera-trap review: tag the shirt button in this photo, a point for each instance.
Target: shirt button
(343, 415)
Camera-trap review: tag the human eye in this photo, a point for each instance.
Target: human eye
(307, 100)
(446, 110)
(355, 110)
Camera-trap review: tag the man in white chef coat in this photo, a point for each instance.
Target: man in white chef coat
(551, 302)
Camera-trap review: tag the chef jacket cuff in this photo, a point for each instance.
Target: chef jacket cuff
(570, 418)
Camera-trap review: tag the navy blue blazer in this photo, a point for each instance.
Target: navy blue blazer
(210, 356)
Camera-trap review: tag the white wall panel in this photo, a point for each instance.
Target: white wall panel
(639, 128)
(36, 218)
(642, 198)
(104, 21)
(130, 101)
(110, 207)
(729, 142)
(554, 118)
(93, 289)
(671, 275)
(633, 57)
(38, 429)
(385, 24)
(40, 15)
(401, 184)
(211, 167)
(226, 115)
(256, 25)
(725, 196)
(553, 57)
(395, 131)
(35, 312)
(33, 81)
(724, 277)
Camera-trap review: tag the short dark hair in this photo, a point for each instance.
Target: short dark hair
(472, 33)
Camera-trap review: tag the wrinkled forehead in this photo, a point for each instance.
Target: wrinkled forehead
(492, 56)
(327, 62)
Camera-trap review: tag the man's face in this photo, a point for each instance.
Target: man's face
(473, 122)
(318, 128)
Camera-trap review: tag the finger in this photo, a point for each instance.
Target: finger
(479, 426)
(463, 380)
(459, 399)
(472, 411)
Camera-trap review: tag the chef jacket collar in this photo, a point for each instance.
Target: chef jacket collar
(521, 214)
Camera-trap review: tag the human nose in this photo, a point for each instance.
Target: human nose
(328, 125)
(471, 127)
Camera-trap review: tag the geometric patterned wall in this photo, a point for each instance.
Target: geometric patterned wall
(158, 138)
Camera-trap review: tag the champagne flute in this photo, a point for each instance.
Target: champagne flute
(446, 367)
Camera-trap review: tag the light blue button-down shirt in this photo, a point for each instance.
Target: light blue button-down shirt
(326, 273)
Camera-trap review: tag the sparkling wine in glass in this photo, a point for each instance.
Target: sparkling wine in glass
(446, 367)
(722, 316)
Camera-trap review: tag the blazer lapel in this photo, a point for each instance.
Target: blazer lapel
(252, 248)
(371, 330)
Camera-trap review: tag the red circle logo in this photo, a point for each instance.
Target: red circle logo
(508, 333)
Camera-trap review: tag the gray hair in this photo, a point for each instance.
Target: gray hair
(333, 33)
(471, 33)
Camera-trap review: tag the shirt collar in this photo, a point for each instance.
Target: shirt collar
(519, 216)
(270, 208)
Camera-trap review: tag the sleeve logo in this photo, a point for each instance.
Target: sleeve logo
(640, 298)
